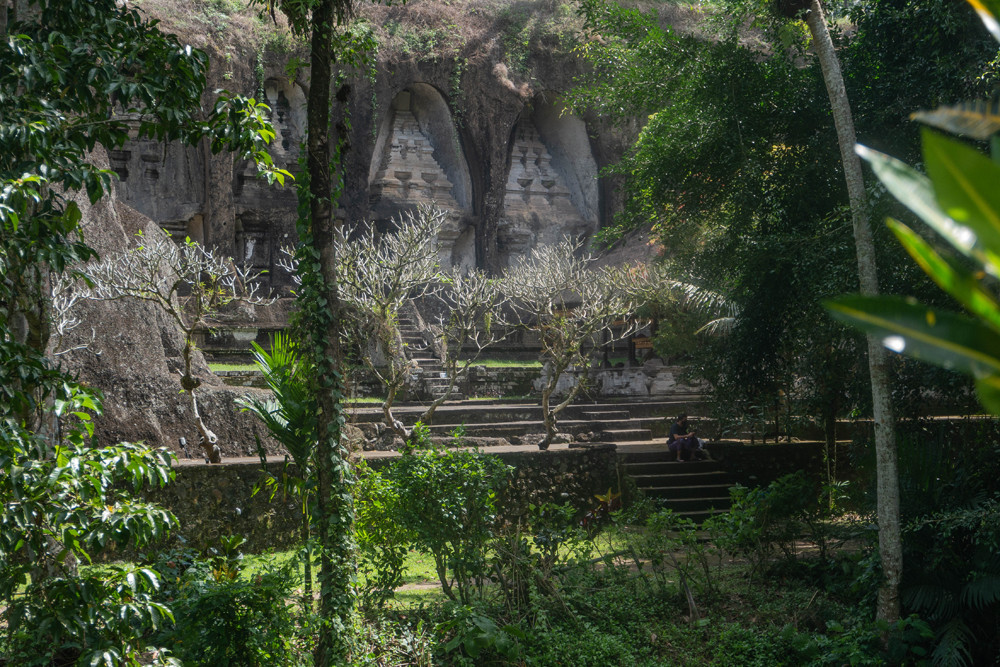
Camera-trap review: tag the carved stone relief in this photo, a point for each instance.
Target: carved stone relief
(538, 206)
(411, 169)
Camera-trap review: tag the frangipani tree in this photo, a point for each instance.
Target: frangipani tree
(380, 274)
(473, 321)
(190, 283)
(574, 308)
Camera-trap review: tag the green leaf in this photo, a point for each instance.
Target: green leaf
(988, 390)
(965, 184)
(978, 119)
(952, 341)
(916, 192)
(962, 285)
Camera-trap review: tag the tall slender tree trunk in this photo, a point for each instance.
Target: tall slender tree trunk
(334, 513)
(890, 546)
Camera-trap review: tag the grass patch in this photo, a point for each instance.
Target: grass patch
(507, 363)
(222, 367)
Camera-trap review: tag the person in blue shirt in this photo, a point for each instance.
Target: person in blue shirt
(680, 441)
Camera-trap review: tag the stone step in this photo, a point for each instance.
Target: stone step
(605, 415)
(706, 504)
(626, 435)
(647, 481)
(700, 516)
(665, 456)
(672, 468)
(689, 492)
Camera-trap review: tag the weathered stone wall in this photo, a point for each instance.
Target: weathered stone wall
(216, 500)
(759, 465)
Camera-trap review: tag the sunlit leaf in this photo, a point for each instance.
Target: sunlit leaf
(946, 339)
(916, 192)
(977, 119)
(965, 185)
(961, 284)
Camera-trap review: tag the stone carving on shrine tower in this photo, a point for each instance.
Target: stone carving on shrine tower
(409, 175)
(538, 207)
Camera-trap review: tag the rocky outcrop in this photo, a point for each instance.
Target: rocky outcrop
(131, 351)
(456, 126)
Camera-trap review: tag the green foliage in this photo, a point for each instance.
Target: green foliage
(383, 541)
(425, 42)
(447, 501)
(957, 200)
(861, 642)
(765, 521)
(738, 646)
(290, 416)
(224, 620)
(477, 638)
(68, 502)
(953, 579)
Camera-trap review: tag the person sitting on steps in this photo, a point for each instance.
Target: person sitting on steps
(680, 441)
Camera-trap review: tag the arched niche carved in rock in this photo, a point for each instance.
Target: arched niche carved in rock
(551, 188)
(418, 159)
(265, 214)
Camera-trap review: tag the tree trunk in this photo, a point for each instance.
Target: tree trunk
(890, 546)
(334, 512)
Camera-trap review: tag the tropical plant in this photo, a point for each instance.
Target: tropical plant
(64, 503)
(447, 500)
(228, 620)
(290, 417)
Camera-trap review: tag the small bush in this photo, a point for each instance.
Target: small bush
(447, 502)
(221, 621)
(766, 521)
(382, 539)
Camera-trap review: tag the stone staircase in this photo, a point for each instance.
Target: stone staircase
(616, 426)
(693, 489)
(431, 376)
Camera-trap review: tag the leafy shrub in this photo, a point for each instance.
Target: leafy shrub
(221, 621)
(382, 539)
(382, 641)
(765, 521)
(952, 580)
(737, 646)
(527, 555)
(447, 502)
(474, 638)
(670, 548)
(863, 643)
(63, 504)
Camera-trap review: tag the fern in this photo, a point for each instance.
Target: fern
(982, 591)
(953, 642)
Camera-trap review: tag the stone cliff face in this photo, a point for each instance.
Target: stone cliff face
(496, 150)
(453, 128)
